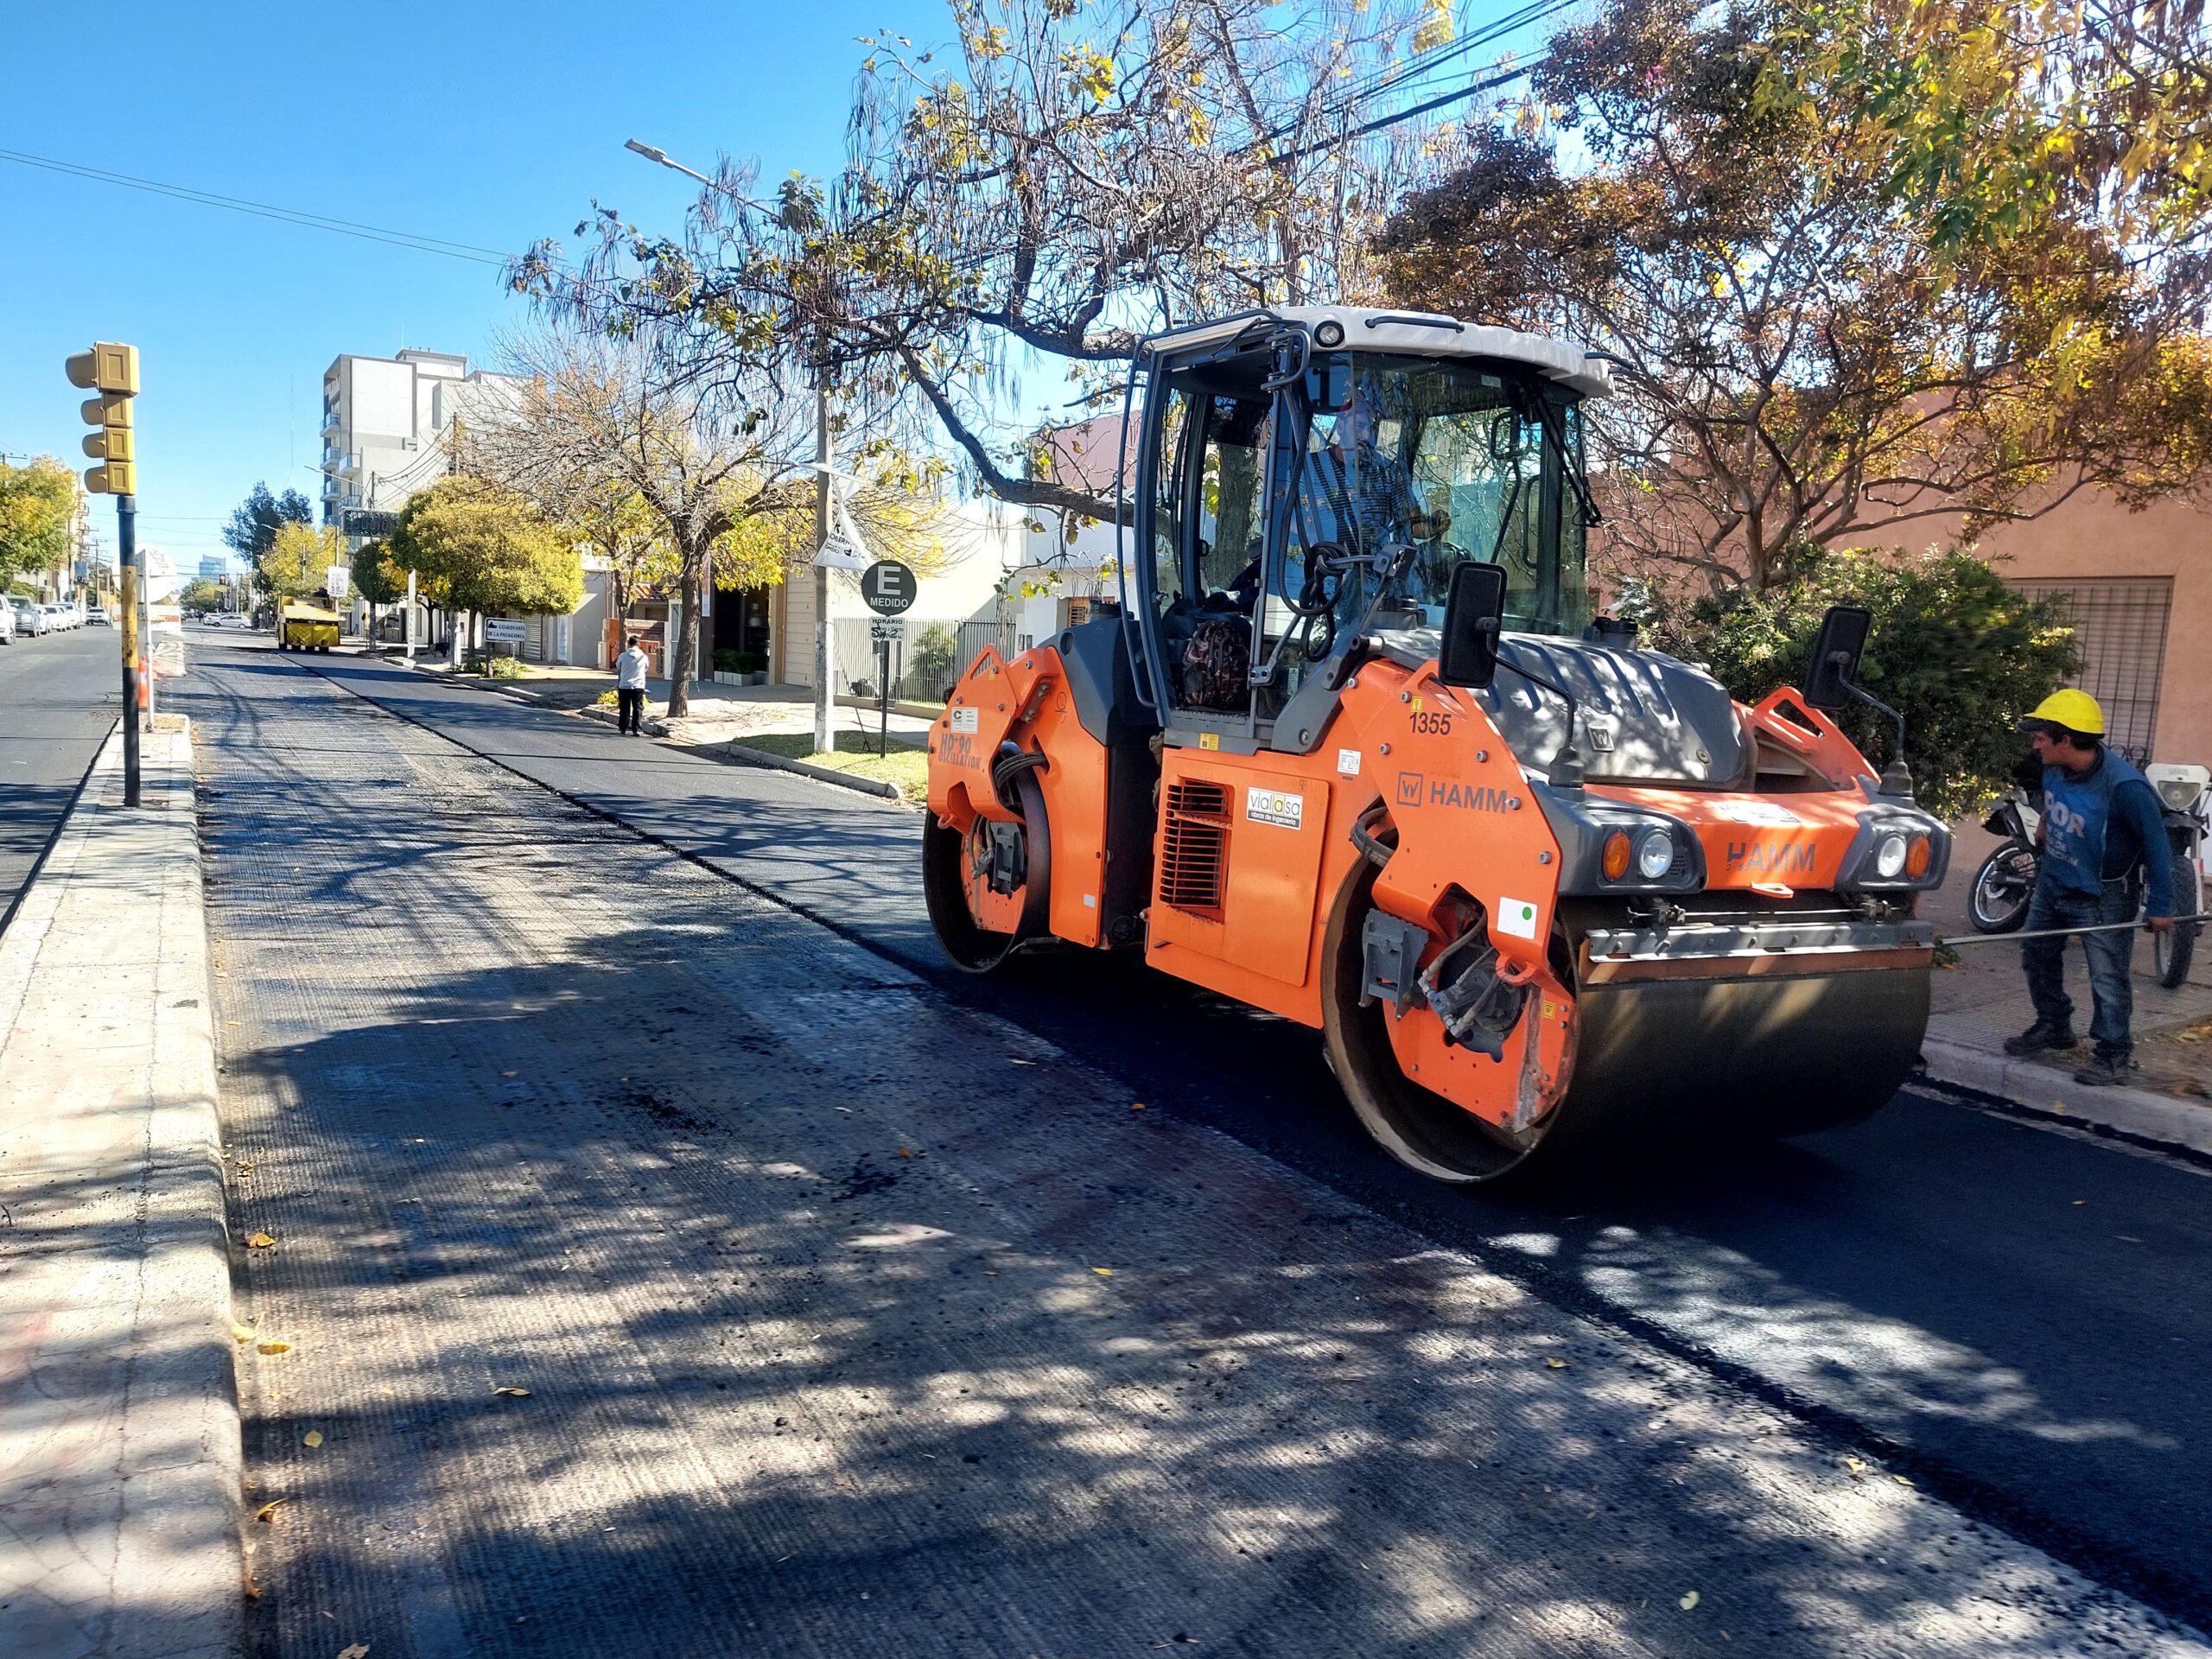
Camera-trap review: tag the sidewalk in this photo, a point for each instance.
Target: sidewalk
(1984, 1000)
(119, 1446)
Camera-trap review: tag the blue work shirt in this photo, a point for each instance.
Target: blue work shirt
(2100, 824)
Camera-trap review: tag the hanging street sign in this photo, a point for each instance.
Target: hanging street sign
(838, 554)
(888, 588)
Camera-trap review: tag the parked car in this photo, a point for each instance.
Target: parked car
(7, 625)
(60, 617)
(31, 619)
(97, 617)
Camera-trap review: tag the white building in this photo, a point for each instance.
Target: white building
(384, 419)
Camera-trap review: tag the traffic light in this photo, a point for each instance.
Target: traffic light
(112, 371)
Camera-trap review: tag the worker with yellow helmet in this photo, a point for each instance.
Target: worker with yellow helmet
(2102, 831)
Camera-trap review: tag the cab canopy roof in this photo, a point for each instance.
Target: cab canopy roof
(1426, 333)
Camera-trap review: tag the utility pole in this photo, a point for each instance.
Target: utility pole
(111, 372)
(825, 705)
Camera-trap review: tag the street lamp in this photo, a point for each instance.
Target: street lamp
(825, 736)
(661, 155)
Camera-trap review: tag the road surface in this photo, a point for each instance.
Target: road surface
(59, 696)
(479, 1037)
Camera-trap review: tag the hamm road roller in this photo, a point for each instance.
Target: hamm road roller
(1352, 749)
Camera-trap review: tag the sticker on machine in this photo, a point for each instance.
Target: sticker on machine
(1768, 814)
(1273, 806)
(1516, 917)
(964, 719)
(1348, 762)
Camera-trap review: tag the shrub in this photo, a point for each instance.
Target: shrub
(930, 657)
(1956, 652)
(730, 660)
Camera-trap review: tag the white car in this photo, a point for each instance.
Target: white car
(98, 618)
(31, 619)
(7, 624)
(60, 618)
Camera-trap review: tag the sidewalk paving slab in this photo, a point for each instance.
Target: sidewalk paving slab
(119, 1437)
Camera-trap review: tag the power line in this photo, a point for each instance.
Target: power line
(263, 210)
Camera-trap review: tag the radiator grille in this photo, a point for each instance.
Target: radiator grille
(1195, 850)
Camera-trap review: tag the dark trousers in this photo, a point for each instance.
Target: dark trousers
(629, 709)
(2112, 992)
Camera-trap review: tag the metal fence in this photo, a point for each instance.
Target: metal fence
(935, 652)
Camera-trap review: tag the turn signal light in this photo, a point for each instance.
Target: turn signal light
(1917, 856)
(1616, 851)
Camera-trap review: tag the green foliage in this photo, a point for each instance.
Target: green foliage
(932, 652)
(487, 549)
(730, 660)
(298, 560)
(36, 502)
(252, 530)
(376, 578)
(1958, 654)
(201, 594)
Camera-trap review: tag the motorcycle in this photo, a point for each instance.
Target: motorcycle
(2187, 806)
(1998, 900)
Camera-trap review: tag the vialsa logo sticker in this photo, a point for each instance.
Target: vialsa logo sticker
(1273, 806)
(964, 719)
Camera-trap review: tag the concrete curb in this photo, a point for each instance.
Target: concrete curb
(751, 757)
(2046, 1092)
(737, 753)
(120, 1455)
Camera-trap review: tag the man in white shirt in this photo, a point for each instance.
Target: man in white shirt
(630, 689)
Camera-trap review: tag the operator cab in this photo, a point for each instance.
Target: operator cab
(1308, 477)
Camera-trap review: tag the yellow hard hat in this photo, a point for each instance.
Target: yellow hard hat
(2075, 710)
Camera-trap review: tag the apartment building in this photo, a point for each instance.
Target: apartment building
(384, 419)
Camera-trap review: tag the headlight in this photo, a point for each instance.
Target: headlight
(2178, 793)
(1655, 855)
(1889, 857)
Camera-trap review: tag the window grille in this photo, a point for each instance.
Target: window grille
(2120, 627)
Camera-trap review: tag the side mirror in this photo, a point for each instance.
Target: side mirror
(1474, 614)
(1833, 671)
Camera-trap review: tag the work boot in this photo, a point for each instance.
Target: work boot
(2106, 1071)
(2038, 1037)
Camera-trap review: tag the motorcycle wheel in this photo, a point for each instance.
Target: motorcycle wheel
(2172, 951)
(1999, 903)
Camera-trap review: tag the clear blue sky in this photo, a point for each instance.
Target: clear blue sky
(480, 124)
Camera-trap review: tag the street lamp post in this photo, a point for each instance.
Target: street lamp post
(824, 645)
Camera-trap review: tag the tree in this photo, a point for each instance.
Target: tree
(377, 579)
(715, 464)
(37, 501)
(254, 523)
(1069, 182)
(299, 560)
(1803, 353)
(1958, 653)
(201, 594)
(485, 548)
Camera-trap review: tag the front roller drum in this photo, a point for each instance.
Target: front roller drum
(1657, 1065)
(981, 920)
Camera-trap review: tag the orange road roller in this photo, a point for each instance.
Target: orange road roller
(1351, 748)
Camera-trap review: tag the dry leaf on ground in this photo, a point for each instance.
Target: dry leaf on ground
(1689, 1601)
(270, 1509)
(312, 1437)
(241, 1332)
(1556, 1364)
(259, 1242)
(1103, 1273)
(511, 1392)
(357, 1651)
(274, 1347)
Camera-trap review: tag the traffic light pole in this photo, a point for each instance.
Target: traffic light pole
(126, 578)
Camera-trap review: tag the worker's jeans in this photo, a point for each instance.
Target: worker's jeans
(2112, 993)
(629, 709)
